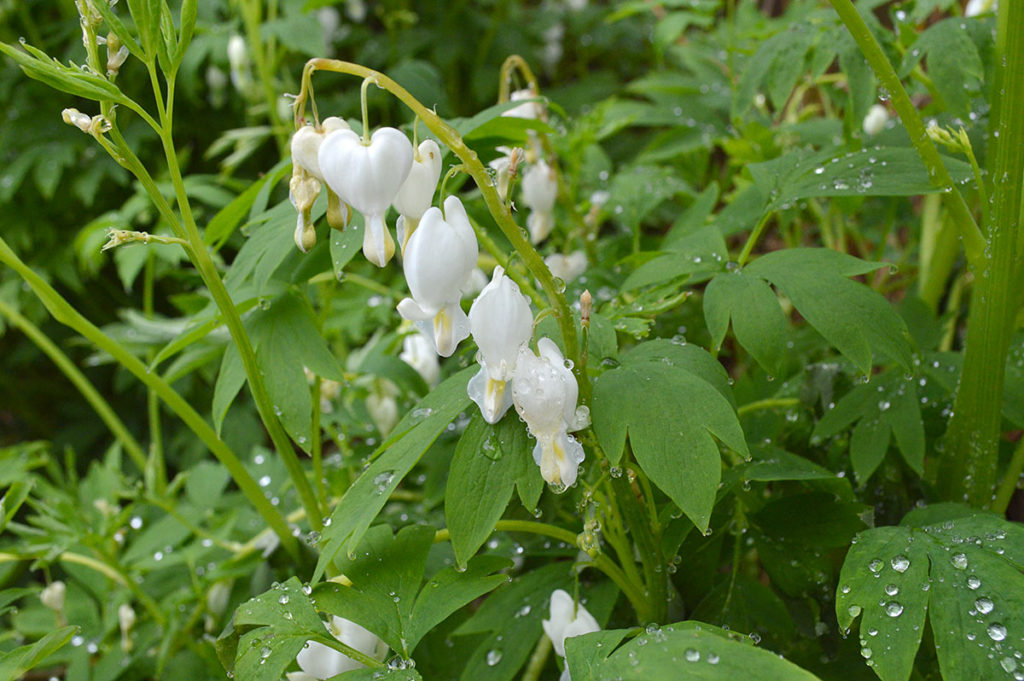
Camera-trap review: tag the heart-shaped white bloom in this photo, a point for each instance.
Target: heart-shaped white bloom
(417, 192)
(439, 258)
(567, 620)
(323, 662)
(501, 323)
(531, 110)
(540, 189)
(875, 120)
(368, 177)
(545, 392)
(306, 144)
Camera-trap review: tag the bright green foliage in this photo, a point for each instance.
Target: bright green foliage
(961, 568)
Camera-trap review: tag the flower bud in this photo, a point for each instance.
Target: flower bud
(368, 177)
(382, 407)
(544, 392)
(438, 260)
(501, 323)
(306, 143)
(568, 619)
(303, 193)
(417, 192)
(52, 596)
(540, 189)
(875, 120)
(76, 118)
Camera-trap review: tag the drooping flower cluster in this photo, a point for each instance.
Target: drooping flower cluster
(439, 256)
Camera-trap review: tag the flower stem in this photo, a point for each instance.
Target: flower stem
(974, 243)
(79, 380)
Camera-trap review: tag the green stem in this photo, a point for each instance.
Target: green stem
(1010, 480)
(771, 403)
(475, 168)
(79, 380)
(64, 313)
(156, 469)
(968, 466)
(974, 243)
(753, 238)
(655, 577)
(262, 56)
(538, 659)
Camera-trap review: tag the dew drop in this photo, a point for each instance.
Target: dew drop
(493, 657)
(959, 561)
(894, 609)
(996, 631)
(692, 655)
(900, 564)
(984, 605)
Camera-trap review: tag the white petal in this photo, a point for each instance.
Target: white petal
(419, 353)
(437, 261)
(540, 187)
(411, 310)
(417, 192)
(378, 246)
(494, 397)
(367, 177)
(320, 661)
(455, 215)
(305, 146)
(567, 620)
(559, 457)
(451, 327)
(539, 225)
(501, 322)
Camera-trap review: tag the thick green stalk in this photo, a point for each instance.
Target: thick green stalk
(78, 379)
(886, 74)
(649, 548)
(475, 168)
(968, 466)
(64, 313)
(204, 264)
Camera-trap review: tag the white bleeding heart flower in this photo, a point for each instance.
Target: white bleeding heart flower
(976, 7)
(306, 144)
(368, 177)
(439, 258)
(417, 192)
(501, 323)
(567, 267)
(302, 191)
(544, 392)
(419, 353)
(382, 406)
(875, 120)
(568, 619)
(323, 662)
(532, 110)
(540, 189)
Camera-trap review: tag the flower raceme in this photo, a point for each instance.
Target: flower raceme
(544, 392)
(439, 258)
(368, 178)
(318, 661)
(501, 323)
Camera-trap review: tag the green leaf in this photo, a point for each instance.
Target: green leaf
(511, 619)
(71, 79)
(230, 380)
(971, 564)
(703, 251)
(672, 417)
(954, 63)
(227, 220)
(690, 650)
(889, 171)
(17, 662)
(637, 191)
(774, 67)
(479, 487)
(856, 320)
(413, 436)
(757, 319)
(346, 244)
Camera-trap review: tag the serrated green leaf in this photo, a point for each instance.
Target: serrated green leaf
(889, 171)
(670, 415)
(413, 436)
(479, 487)
(757, 319)
(971, 564)
(856, 320)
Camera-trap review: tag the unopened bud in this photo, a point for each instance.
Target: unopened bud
(126, 619)
(53, 596)
(116, 54)
(76, 118)
(586, 307)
